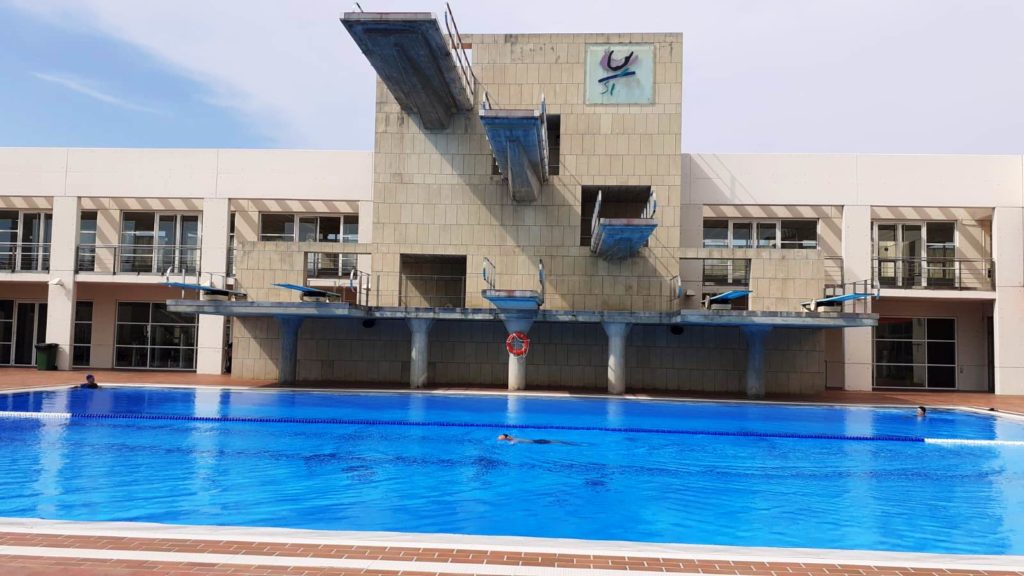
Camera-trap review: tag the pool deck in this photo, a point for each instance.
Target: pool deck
(42, 547)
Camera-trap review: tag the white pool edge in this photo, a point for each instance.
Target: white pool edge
(511, 543)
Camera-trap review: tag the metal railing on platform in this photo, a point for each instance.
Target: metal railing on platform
(24, 257)
(137, 259)
(330, 265)
(934, 273)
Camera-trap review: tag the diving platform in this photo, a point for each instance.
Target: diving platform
(518, 141)
(616, 238)
(309, 294)
(411, 55)
(512, 300)
(724, 300)
(836, 295)
(207, 292)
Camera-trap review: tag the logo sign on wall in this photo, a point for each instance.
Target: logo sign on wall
(620, 74)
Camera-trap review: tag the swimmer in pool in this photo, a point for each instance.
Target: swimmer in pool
(922, 411)
(90, 382)
(513, 440)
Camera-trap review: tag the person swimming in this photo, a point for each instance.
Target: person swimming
(922, 411)
(90, 382)
(513, 440)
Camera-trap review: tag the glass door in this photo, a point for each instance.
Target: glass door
(35, 241)
(899, 250)
(29, 330)
(137, 242)
(188, 260)
(767, 234)
(167, 241)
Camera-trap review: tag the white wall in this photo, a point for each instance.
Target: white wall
(848, 179)
(186, 173)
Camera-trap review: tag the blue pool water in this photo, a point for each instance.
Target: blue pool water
(617, 481)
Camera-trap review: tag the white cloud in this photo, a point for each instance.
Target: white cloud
(795, 76)
(78, 85)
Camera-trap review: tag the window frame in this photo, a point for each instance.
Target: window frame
(149, 346)
(755, 224)
(297, 217)
(927, 364)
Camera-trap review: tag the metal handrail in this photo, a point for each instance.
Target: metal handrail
(461, 58)
(652, 206)
(346, 263)
(137, 259)
(490, 273)
(360, 283)
(594, 220)
(934, 273)
(24, 256)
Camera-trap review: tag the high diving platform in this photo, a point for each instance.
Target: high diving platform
(426, 70)
(519, 142)
(616, 238)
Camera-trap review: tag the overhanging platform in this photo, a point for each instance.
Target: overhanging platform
(621, 238)
(514, 299)
(724, 318)
(519, 144)
(410, 54)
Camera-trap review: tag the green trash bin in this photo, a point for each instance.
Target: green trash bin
(46, 356)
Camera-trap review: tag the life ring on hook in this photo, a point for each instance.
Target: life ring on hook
(517, 344)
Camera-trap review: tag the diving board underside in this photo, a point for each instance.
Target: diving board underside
(410, 54)
(734, 318)
(621, 238)
(516, 138)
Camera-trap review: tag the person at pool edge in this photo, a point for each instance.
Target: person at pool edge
(90, 382)
(922, 411)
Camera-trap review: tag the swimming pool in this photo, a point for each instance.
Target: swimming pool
(654, 471)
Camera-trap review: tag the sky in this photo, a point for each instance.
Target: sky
(759, 76)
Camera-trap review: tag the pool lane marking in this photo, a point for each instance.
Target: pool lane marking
(440, 568)
(437, 424)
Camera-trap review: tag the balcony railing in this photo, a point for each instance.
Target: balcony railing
(137, 259)
(24, 257)
(331, 265)
(934, 273)
(733, 272)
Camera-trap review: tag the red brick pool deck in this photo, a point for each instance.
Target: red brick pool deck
(29, 552)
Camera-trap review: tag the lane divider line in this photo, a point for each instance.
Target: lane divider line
(497, 426)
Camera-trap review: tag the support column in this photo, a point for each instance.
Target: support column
(517, 364)
(617, 333)
(60, 294)
(287, 363)
(213, 268)
(755, 336)
(857, 353)
(1008, 332)
(420, 328)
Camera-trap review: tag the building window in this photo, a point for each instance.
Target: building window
(159, 243)
(150, 336)
(915, 353)
(87, 241)
(918, 255)
(283, 227)
(81, 354)
(785, 234)
(6, 330)
(554, 122)
(25, 241)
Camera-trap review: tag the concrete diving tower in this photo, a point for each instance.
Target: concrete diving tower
(411, 55)
(519, 143)
(620, 238)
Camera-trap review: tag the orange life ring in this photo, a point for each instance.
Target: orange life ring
(517, 344)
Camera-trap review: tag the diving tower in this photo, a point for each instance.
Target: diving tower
(518, 140)
(618, 238)
(426, 70)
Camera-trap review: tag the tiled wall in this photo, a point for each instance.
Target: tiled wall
(434, 192)
(562, 355)
(781, 280)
